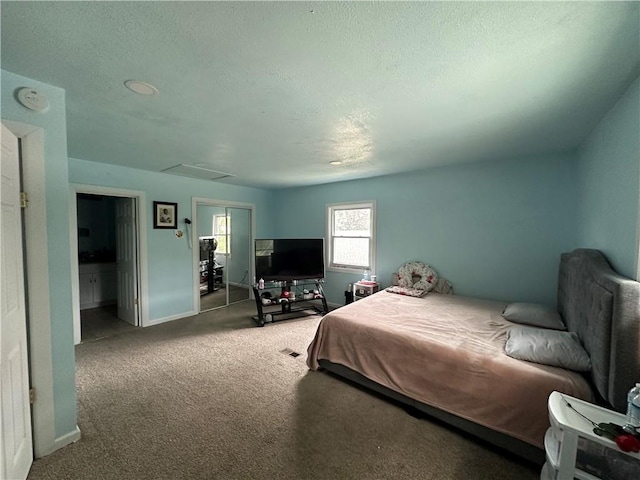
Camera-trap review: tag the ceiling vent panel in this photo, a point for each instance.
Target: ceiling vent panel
(192, 171)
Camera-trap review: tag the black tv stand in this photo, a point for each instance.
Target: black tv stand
(281, 306)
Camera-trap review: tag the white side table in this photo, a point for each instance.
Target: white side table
(573, 450)
(362, 290)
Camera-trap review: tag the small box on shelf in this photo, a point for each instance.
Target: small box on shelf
(365, 288)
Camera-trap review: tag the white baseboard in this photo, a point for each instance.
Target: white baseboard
(59, 442)
(157, 321)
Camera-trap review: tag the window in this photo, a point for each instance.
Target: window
(351, 236)
(222, 233)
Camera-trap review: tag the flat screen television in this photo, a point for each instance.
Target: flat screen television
(283, 259)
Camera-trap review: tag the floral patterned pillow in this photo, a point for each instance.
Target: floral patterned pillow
(412, 292)
(417, 275)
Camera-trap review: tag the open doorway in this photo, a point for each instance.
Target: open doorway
(108, 259)
(107, 265)
(223, 239)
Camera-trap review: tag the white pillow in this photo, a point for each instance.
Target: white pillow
(533, 314)
(548, 347)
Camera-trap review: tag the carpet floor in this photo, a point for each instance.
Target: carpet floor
(215, 397)
(219, 297)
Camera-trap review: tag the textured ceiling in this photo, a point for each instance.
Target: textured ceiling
(272, 92)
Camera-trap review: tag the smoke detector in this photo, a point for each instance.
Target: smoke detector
(33, 99)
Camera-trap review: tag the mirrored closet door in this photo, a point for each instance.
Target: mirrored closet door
(224, 239)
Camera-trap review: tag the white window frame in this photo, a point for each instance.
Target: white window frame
(217, 235)
(331, 208)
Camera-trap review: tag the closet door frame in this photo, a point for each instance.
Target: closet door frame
(195, 247)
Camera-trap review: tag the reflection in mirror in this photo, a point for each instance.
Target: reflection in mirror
(224, 240)
(239, 256)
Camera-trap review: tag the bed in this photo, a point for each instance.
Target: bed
(444, 354)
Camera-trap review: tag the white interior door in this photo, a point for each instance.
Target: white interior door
(15, 420)
(126, 260)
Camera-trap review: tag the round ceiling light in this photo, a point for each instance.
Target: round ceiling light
(141, 88)
(335, 162)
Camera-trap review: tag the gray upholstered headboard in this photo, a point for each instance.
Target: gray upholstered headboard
(603, 308)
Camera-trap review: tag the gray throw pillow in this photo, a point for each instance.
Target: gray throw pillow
(548, 347)
(533, 314)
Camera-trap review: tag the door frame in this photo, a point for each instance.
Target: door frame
(141, 226)
(38, 292)
(195, 246)
(16, 439)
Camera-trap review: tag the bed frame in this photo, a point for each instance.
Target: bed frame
(601, 307)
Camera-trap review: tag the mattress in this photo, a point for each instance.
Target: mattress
(448, 352)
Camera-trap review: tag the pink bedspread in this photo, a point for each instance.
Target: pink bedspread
(448, 352)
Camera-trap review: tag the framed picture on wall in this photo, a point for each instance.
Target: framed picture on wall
(165, 215)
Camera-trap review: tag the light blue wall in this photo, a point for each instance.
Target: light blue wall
(495, 230)
(170, 263)
(205, 219)
(610, 184)
(53, 122)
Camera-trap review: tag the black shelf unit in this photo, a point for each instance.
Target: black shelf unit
(210, 275)
(210, 272)
(298, 307)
